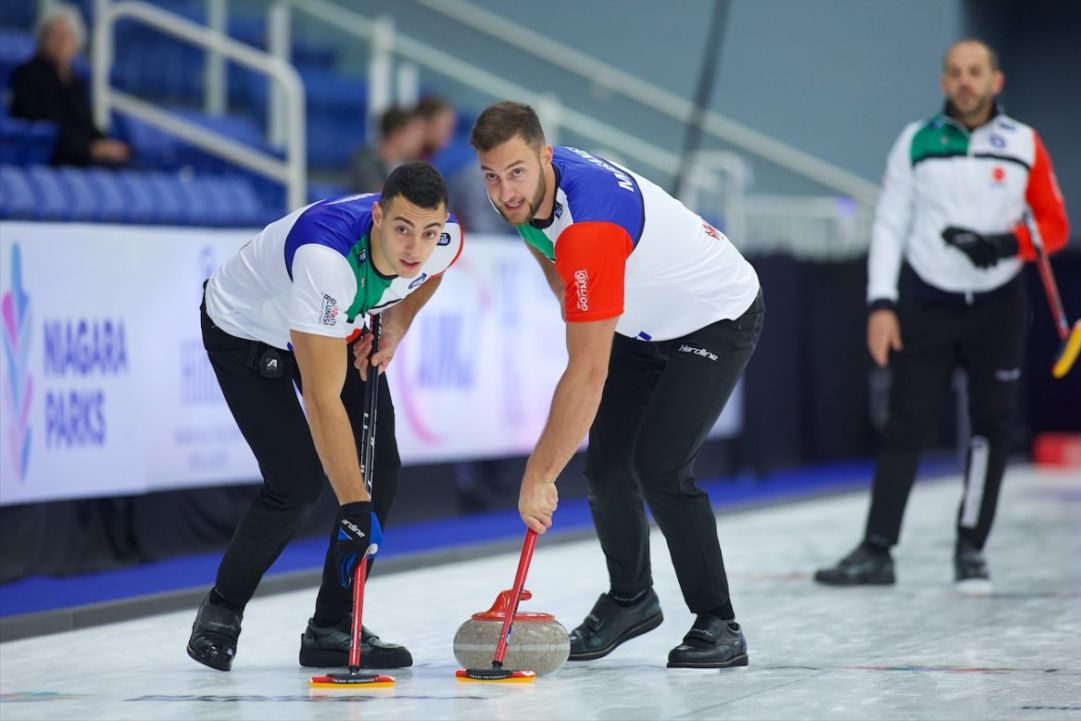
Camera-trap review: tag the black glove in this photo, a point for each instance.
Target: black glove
(983, 250)
(358, 532)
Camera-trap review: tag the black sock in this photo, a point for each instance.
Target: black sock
(324, 620)
(627, 600)
(723, 612)
(219, 600)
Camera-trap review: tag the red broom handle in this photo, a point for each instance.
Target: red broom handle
(516, 594)
(1051, 289)
(358, 610)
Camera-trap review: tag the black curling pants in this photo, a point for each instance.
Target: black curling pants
(272, 421)
(659, 403)
(985, 335)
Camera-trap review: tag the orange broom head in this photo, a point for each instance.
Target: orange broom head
(352, 681)
(1068, 351)
(494, 675)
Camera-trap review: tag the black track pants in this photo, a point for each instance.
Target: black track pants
(986, 338)
(659, 403)
(271, 419)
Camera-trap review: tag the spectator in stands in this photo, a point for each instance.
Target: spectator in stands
(402, 134)
(46, 88)
(439, 123)
(457, 162)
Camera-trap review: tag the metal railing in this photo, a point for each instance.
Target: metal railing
(385, 41)
(651, 96)
(292, 171)
(823, 227)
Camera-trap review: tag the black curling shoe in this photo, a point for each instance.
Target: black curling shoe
(214, 635)
(711, 643)
(863, 567)
(328, 647)
(609, 624)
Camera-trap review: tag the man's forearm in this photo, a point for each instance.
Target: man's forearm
(574, 406)
(333, 437)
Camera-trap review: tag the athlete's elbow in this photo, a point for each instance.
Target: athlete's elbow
(589, 375)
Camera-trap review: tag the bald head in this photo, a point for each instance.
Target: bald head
(971, 47)
(971, 80)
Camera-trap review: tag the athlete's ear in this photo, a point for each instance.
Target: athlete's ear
(546, 155)
(377, 213)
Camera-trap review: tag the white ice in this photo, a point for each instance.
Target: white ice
(914, 651)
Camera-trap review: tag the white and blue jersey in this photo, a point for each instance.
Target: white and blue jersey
(624, 247)
(311, 271)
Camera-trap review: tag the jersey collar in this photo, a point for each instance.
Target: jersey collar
(547, 222)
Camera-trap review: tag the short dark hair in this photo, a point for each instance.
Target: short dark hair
(394, 119)
(503, 121)
(419, 183)
(431, 105)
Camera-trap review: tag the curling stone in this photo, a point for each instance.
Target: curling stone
(538, 642)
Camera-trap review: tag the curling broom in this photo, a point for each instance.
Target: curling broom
(355, 678)
(1070, 338)
(496, 673)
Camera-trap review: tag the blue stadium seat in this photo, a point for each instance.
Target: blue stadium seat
(82, 203)
(243, 206)
(323, 190)
(140, 200)
(170, 200)
(18, 14)
(17, 199)
(52, 198)
(203, 206)
(16, 47)
(152, 148)
(112, 203)
(23, 142)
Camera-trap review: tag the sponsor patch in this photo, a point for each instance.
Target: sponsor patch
(581, 289)
(418, 281)
(444, 239)
(329, 315)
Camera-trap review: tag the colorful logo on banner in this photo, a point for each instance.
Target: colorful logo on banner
(18, 387)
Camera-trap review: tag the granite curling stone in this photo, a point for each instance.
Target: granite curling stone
(538, 642)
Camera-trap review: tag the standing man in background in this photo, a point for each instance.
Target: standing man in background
(282, 315)
(965, 196)
(662, 315)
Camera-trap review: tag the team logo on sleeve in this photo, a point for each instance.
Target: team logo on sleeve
(329, 315)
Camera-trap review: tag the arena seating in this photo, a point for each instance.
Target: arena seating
(169, 180)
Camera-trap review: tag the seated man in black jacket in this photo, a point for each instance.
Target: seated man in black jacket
(45, 88)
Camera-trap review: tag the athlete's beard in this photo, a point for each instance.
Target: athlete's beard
(533, 204)
(978, 111)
